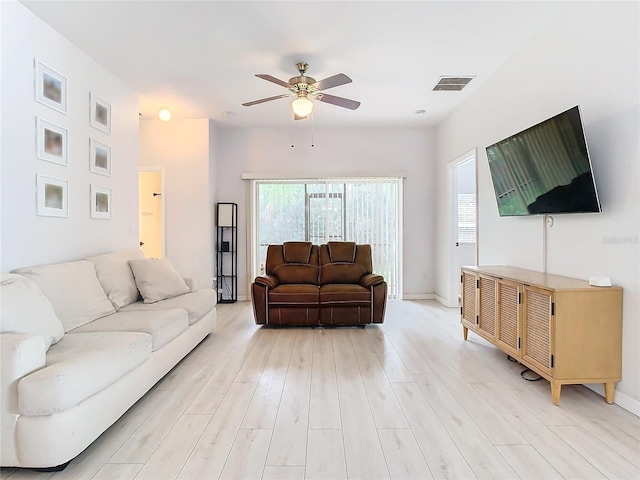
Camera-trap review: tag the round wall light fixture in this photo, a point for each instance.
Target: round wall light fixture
(164, 114)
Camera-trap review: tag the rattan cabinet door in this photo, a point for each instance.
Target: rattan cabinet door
(487, 304)
(468, 310)
(508, 314)
(537, 327)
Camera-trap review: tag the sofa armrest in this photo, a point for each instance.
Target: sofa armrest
(191, 283)
(268, 281)
(19, 356)
(371, 279)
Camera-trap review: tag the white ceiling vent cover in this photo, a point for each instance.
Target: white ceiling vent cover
(452, 83)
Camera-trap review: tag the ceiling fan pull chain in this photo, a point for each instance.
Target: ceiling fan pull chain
(312, 142)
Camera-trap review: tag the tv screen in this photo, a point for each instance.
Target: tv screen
(544, 169)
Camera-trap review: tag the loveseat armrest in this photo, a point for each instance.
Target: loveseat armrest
(371, 279)
(267, 280)
(20, 355)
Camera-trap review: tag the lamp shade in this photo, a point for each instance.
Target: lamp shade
(302, 106)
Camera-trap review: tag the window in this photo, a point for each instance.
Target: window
(362, 210)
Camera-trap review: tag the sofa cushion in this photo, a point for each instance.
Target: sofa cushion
(294, 295)
(342, 251)
(157, 279)
(114, 273)
(25, 309)
(73, 289)
(341, 273)
(197, 304)
(345, 295)
(79, 366)
(162, 325)
(296, 252)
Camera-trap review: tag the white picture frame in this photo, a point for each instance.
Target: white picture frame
(52, 142)
(50, 87)
(100, 202)
(100, 113)
(52, 196)
(99, 158)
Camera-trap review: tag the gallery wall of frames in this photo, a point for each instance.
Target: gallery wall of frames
(52, 141)
(69, 148)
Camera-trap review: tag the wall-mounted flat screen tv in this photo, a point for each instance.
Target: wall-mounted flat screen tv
(544, 169)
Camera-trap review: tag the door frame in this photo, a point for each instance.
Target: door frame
(452, 188)
(163, 222)
(252, 268)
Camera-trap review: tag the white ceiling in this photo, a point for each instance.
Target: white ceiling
(199, 58)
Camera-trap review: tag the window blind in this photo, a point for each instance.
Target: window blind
(361, 210)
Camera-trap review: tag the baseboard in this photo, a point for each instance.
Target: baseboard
(624, 401)
(418, 296)
(443, 301)
(243, 298)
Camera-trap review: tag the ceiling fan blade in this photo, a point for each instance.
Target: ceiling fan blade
(339, 101)
(335, 81)
(269, 78)
(268, 99)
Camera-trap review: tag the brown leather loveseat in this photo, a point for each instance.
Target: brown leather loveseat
(312, 285)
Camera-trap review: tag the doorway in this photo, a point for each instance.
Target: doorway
(151, 211)
(463, 231)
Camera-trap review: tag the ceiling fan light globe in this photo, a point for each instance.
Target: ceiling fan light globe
(302, 106)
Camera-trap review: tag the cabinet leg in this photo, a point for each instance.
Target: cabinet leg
(555, 392)
(609, 391)
(465, 332)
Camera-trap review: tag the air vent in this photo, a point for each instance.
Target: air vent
(449, 83)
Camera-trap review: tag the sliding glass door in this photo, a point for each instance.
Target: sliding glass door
(361, 210)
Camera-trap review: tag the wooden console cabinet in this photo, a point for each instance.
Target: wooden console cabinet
(561, 328)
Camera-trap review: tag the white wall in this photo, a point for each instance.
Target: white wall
(182, 147)
(28, 239)
(591, 61)
(213, 190)
(339, 152)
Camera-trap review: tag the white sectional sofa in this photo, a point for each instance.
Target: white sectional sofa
(79, 347)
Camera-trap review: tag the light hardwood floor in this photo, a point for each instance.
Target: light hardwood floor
(406, 400)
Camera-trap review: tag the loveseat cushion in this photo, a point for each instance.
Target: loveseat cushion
(197, 304)
(79, 366)
(296, 252)
(341, 273)
(344, 295)
(292, 295)
(296, 273)
(115, 276)
(342, 251)
(157, 279)
(74, 291)
(162, 325)
(25, 309)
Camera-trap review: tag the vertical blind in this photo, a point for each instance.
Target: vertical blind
(361, 210)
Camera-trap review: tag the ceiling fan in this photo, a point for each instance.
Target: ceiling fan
(303, 87)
